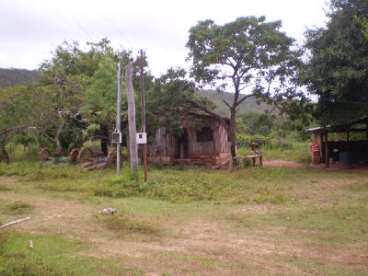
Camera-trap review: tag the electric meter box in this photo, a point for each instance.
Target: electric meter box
(141, 138)
(116, 138)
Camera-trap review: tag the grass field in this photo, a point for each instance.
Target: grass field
(257, 221)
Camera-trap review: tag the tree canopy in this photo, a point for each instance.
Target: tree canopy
(337, 70)
(75, 98)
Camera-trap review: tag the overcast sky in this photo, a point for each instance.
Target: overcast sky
(31, 29)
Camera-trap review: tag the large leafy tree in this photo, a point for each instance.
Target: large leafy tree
(74, 96)
(249, 56)
(100, 102)
(337, 70)
(66, 77)
(80, 81)
(23, 109)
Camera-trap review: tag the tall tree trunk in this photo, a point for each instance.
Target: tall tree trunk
(232, 132)
(236, 82)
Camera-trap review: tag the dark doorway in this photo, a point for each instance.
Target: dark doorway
(181, 151)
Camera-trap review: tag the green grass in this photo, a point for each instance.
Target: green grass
(4, 188)
(18, 152)
(50, 255)
(275, 186)
(295, 151)
(312, 266)
(189, 263)
(17, 208)
(128, 226)
(288, 151)
(38, 171)
(260, 186)
(358, 187)
(302, 207)
(334, 225)
(170, 184)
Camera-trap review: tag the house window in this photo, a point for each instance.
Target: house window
(205, 135)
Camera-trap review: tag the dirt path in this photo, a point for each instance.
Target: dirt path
(198, 246)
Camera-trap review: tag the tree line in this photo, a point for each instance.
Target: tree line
(11, 76)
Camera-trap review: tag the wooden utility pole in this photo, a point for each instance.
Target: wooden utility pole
(143, 111)
(118, 116)
(133, 149)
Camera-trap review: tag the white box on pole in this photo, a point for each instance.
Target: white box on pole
(141, 138)
(116, 137)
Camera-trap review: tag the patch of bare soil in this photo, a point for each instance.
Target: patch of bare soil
(263, 249)
(282, 164)
(197, 246)
(6, 183)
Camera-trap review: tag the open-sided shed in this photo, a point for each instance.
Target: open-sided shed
(347, 143)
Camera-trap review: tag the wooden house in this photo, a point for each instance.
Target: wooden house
(201, 140)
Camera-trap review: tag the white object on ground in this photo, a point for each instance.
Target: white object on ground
(109, 211)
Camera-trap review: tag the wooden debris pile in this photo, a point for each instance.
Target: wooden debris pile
(86, 157)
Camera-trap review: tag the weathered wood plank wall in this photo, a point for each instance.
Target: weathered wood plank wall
(164, 147)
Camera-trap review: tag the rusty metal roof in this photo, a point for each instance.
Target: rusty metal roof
(342, 127)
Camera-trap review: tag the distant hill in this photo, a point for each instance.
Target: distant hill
(14, 76)
(249, 105)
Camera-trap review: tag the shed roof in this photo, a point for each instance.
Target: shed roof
(349, 126)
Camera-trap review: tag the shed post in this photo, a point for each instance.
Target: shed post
(320, 144)
(327, 151)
